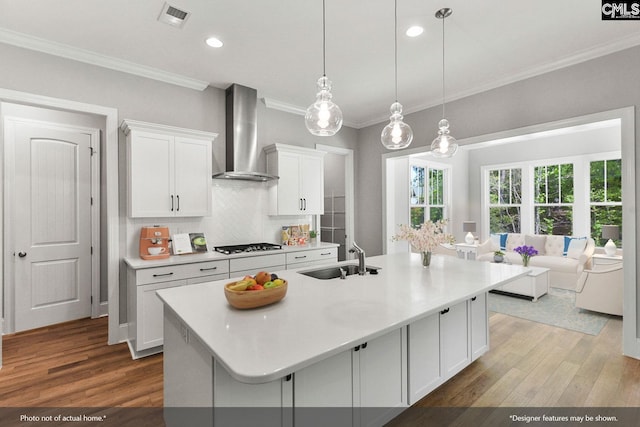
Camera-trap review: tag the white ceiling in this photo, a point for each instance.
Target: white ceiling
(276, 46)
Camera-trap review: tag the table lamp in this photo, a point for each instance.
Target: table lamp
(611, 232)
(470, 228)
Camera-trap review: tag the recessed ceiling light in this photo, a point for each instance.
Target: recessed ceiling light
(414, 31)
(214, 42)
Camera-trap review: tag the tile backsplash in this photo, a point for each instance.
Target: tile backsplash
(239, 215)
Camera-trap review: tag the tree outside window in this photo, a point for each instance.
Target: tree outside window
(605, 197)
(505, 200)
(553, 199)
(427, 199)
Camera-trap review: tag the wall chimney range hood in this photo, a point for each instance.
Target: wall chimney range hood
(242, 136)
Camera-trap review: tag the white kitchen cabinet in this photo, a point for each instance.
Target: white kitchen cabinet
(300, 189)
(479, 326)
(144, 308)
(311, 258)
(168, 170)
(370, 377)
(251, 265)
(439, 346)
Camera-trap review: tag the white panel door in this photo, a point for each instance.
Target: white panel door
(193, 177)
(312, 185)
(52, 220)
(289, 198)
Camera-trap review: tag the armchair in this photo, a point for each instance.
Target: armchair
(601, 290)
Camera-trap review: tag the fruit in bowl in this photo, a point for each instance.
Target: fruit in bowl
(250, 293)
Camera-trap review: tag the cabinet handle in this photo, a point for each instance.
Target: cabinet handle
(300, 203)
(172, 203)
(474, 298)
(305, 204)
(288, 377)
(326, 253)
(163, 275)
(300, 257)
(445, 311)
(356, 348)
(178, 197)
(208, 269)
(364, 346)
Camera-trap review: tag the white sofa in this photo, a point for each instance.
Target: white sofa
(564, 269)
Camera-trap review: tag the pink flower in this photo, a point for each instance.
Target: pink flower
(425, 238)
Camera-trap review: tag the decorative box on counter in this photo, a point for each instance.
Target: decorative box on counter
(295, 235)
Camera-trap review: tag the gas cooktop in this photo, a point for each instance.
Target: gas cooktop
(251, 247)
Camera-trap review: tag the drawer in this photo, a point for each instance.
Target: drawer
(163, 274)
(209, 268)
(182, 271)
(256, 262)
(328, 254)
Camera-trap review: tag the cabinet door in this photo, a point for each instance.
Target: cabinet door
(382, 374)
(454, 339)
(192, 177)
(479, 326)
(150, 174)
(312, 185)
(289, 198)
(424, 357)
(150, 312)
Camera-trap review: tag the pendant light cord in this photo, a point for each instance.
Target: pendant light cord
(395, 40)
(324, 41)
(443, 18)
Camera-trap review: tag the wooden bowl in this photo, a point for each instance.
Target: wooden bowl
(253, 299)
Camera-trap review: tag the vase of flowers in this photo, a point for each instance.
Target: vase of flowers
(425, 238)
(526, 252)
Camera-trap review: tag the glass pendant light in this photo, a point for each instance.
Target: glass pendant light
(444, 145)
(323, 117)
(397, 134)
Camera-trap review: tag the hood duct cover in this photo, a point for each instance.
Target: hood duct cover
(242, 135)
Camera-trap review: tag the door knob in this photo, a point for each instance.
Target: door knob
(22, 254)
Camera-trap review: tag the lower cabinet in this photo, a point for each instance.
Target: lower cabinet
(311, 258)
(444, 343)
(144, 308)
(365, 386)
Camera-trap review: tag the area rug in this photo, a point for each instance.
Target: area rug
(557, 308)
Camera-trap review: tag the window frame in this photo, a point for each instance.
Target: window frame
(446, 187)
(581, 224)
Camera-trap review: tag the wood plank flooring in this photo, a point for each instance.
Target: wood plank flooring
(71, 365)
(529, 365)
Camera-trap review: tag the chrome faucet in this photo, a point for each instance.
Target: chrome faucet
(362, 269)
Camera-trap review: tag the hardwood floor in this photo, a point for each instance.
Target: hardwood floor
(71, 365)
(529, 365)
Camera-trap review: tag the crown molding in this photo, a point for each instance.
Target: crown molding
(274, 104)
(82, 55)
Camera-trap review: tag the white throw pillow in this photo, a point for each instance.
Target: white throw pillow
(576, 247)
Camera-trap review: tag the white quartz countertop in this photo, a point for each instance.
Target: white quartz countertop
(320, 318)
(138, 263)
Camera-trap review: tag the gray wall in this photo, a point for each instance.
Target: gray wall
(594, 86)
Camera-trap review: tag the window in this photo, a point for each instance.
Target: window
(605, 194)
(427, 201)
(553, 199)
(505, 200)
(568, 196)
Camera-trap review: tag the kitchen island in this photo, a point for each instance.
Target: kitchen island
(369, 345)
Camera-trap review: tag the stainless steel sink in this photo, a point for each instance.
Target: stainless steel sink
(333, 272)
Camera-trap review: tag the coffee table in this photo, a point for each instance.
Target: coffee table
(533, 285)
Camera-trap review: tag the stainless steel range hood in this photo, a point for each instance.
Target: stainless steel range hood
(242, 136)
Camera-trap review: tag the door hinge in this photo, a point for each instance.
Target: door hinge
(91, 250)
(91, 299)
(91, 200)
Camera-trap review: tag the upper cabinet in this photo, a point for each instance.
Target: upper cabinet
(300, 189)
(168, 170)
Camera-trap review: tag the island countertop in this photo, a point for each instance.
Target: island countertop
(321, 318)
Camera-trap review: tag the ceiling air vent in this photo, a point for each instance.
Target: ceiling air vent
(173, 16)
